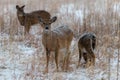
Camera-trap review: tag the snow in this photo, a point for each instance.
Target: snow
(70, 9)
(25, 49)
(66, 8)
(116, 7)
(16, 64)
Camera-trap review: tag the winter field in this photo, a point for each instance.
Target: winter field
(25, 59)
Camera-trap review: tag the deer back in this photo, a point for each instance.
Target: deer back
(28, 19)
(87, 40)
(32, 18)
(60, 37)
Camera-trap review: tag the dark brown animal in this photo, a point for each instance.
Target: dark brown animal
(54, 40)
(29, 19)
(86, 45)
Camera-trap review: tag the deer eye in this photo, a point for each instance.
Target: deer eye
(49, 23)
(44, 23)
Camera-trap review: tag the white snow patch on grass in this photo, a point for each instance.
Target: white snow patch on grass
(27, 50)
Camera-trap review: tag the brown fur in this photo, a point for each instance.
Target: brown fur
(86, 45)
(54, 40)
(29, 19)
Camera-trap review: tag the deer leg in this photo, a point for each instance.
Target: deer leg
(67, 60)
(64, 62)
(47, 56)
(27, 29)
(80, 55)
(85, 56)
(56, 58)
(90, 52)
(91, 55)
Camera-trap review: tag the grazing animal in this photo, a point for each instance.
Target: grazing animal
(56, 39)
(86, 45)
(29, 19)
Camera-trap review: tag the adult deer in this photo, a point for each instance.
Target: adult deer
(29, 19)
(86, 45)
(54, 40)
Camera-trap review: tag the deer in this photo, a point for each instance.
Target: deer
(86, 45)
(29, 19)
(56, 39)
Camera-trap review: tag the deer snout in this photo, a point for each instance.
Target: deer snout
(46, 28)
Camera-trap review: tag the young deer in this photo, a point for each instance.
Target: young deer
(86, 45)
(54, 40)
(29, 19)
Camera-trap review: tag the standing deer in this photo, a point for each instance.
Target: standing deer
(29, 19)
(54, 40)
(86, 45)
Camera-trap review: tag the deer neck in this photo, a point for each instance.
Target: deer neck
(22, 19)
(47, 37)
(47, 33)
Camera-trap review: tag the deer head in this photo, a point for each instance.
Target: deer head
(46, 24)
(20, 10)
(20, 14)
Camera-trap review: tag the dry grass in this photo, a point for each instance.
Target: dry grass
(99, 17)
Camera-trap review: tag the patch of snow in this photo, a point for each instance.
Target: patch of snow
(67, 8)
(79, 15)
(27, 50)
(116, 7)
(70, 9)
(35, 29)
(4, 36)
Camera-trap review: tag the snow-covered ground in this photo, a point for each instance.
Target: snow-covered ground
(22, 62)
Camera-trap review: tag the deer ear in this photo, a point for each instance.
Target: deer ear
(17, 7)
(54, 19)
(23, 6)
